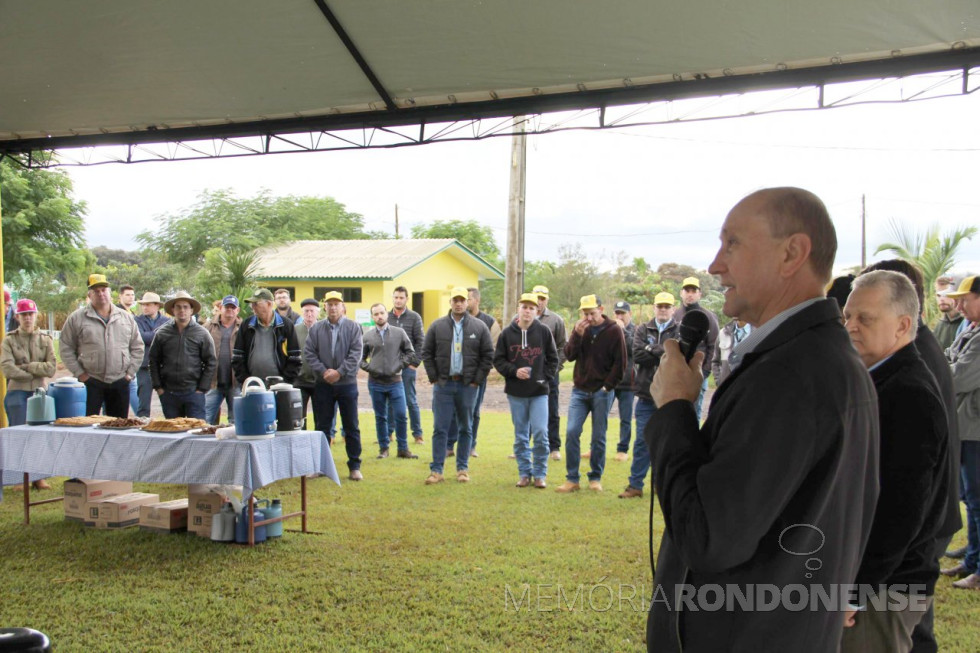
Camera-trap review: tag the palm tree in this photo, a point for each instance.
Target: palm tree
(933, 253)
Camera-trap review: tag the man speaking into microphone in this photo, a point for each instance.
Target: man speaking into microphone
(773, 497)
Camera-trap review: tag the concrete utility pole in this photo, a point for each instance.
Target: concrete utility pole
(864, 234)
(396, 221)
(514, 273)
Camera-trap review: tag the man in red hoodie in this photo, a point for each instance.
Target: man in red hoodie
(598, 348)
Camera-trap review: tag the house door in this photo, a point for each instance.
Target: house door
(418, 302)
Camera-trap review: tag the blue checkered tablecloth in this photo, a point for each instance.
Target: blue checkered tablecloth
(134, 455)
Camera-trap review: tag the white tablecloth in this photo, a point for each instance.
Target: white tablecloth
(134, 455)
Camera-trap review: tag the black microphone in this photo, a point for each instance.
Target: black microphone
(693, 329)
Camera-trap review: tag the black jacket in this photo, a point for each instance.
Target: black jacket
(934, 358)
(477, 350)
(600, 358)
(648, 347)
(288, 353)
(629, 377)
(182, 362)
(412, 323)
(913, 477)
(785, 464)
(534, 348)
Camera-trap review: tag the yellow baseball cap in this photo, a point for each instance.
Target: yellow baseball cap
(968, 285)
(588, 302)
(663, 298)
(459, 291)
(528, 298)
(333, 294)
(541, 291)
(97, 281)
(691, 281)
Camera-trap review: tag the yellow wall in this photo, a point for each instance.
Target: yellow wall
(434, 277)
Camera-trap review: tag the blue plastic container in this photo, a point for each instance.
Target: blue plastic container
(241, 526)
(255, 411)
(69, 397)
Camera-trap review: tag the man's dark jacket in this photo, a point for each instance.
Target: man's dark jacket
(600, 356)
(534, 348)
(288, 354)
(913, 476)
(629, 377)
(412, 323)
(182, 362)
(932, 355)
(784, 469)
(148, 329)
(648, 347)
(477, 350)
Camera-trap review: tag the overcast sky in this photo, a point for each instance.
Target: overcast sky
(660, 192)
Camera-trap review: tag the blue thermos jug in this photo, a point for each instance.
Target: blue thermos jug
(272, 511)
(241, 528)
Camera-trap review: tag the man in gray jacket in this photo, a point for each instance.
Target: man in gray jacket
(387, 351)
(182, 360)
(333, 351)
(101, 345)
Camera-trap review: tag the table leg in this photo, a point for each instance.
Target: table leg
(302, 485)
(251, 521)
(27, 498)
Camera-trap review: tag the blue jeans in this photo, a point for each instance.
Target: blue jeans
(212, 403)
(625, 398)
(475, 424)
(327, 399)
(15, 404)
(134, 400)
(411, 402)
(530, 418)
(697, 404)
(452, 400)
(144, 392)
(581, 404)
(388, 398)
(641, 454)
(183, 404)
(970, 477)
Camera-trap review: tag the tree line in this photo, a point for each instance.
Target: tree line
(208, 249)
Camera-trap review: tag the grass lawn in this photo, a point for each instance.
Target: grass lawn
(399, 566)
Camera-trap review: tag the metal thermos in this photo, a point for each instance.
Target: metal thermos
(273, 511)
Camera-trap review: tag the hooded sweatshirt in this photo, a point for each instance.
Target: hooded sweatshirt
(534, 348)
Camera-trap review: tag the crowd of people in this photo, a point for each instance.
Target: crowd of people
(841, 425)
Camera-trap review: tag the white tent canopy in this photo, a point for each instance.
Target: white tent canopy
(133, 71)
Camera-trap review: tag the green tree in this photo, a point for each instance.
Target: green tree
(478, 238)
(471, 233)
(227, 273)
(221, 220)
(934, 253)
(43, 225)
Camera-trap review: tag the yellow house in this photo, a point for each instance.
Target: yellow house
(367, 271)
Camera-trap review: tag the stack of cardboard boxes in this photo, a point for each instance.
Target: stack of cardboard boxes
(113, 504)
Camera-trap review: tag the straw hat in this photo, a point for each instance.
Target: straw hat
(195, 305)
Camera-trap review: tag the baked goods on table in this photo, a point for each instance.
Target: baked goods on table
(83, 420)
(175, 425)
(123, 423)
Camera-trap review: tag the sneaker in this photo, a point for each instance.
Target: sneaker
(555, 455)
(956, 553)
(383, 454)
(524, 481)
(586, 454)
(450, 453)
(419, 440)
(567, 487)
(405, 453)
(971, 582)
(355, 475)
(41, 485)
(959, 571)
(434, 477)
(462, 477)
(512, 456)
(540, 483)
(630, 493)
(474, 454)
(622, 456)
(595, 486)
